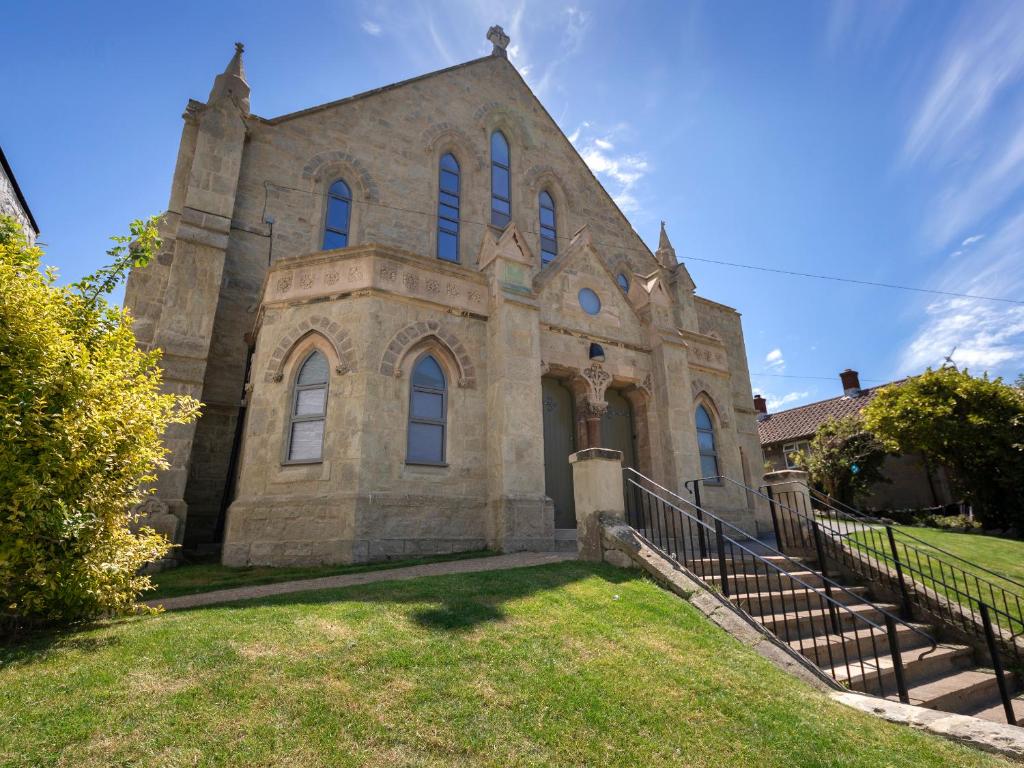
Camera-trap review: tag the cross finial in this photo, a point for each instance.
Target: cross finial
(239, 47)
(500, 40)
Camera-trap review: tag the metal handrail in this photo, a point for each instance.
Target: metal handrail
(668, 533)
(831, 502)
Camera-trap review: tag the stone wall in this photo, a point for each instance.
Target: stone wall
(11, 206)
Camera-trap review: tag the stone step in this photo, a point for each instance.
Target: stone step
(748, 582)
(746, 564)
(761, 603)
(787, 626)
(878, 676)
(995, 713)
(826, 650)
(963, 692)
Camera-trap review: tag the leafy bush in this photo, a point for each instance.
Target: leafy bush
(81, 419)
(974, 426)
(845, 459)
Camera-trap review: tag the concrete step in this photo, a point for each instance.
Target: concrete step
(742, 583)
(787, 626)
(746, 564)
(877, 676)
(964, 692)
(767, 602)
(995, 713)
(826, 650)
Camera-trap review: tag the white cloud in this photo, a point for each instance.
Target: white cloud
(776, 402)
(604, 144)
(859, 25)
(775, 361)
(619, 171)
(371, 28)
(971, 240)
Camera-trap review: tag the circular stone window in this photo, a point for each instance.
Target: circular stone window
(589, 301)
(623, 282)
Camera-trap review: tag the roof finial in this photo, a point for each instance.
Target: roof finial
(497, 36)
(665, 254)
(231, 83)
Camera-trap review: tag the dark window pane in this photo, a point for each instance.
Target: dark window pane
(447, 246)
(546, 257)
(501, 206)
(702, 418)
(547, 217)
(449, 163)
(334, 240)
(314, 370)
(708, 466)
(499, 182)
(547, 232)
(427, 405)
(499, 219)
(337, 214)
(426, 443)
(448, 212)
(547, 244)
(451, 200)
(340, 189)
(706, 442)
(449, 182)
(307, 440)
(546, 201)
(499, 148)
(428, 374)
(310, 402)
(589, 301)
(623, 281)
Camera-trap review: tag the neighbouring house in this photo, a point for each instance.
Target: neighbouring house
(13, 202)
(912, 482)
(403, 311)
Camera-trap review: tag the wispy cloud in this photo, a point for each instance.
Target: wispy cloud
(371, 28)
(777, 402)
(860, 25)
(775, 361)
(971, 240)
(620, 171)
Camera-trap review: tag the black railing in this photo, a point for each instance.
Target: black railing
(810, 522)
(850, 639)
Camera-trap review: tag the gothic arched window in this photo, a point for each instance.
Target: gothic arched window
(501, 185)
(309, 408)
(548, 230)
(339, 209)
(428, 413)
(448, 209)
(706, 443)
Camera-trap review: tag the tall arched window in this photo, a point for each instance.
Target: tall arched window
(309, 408)
(339, 209)
(448, 209)
(428, 413)
(706, 443)
(548, 230)
(501, 196)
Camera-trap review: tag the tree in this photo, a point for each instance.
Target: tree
(81, 419)
(974, 426)
(844, 458)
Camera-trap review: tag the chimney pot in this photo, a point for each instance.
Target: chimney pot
(761, 406)
(851, 382)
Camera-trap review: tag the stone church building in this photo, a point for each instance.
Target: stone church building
(403, 311)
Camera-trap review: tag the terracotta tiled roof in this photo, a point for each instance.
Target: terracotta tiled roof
(803, 421)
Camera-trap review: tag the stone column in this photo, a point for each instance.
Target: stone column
(520, 518)
(672, 406)
(597, 490)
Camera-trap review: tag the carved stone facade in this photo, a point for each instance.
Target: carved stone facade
(243, 294)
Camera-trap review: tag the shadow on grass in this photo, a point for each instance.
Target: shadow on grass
(36, 644)
(458, 602)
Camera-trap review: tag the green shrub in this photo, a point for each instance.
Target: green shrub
(81, 419)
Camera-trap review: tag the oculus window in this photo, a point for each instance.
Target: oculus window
(589, 301)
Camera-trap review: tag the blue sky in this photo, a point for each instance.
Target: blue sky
(877, 140)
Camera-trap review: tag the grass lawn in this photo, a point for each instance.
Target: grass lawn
(1004, 556)
(206, 577)
(565, 665)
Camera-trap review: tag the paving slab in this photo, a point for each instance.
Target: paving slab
(474, 565)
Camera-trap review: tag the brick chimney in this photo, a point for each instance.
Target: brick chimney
(851, 382)
(761, 406)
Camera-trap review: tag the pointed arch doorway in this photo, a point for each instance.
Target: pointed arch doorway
(559, 442)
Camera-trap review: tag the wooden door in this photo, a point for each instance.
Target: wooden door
(617, 427)
(559, 442)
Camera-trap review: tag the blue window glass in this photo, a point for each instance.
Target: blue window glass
(706, 443)
(448, 198)
(589, 301)
(623, 282)
(548, 229)
(336, 221)
(501, 184)
(428, 413)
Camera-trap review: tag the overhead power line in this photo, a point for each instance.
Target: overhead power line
(821, 378)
